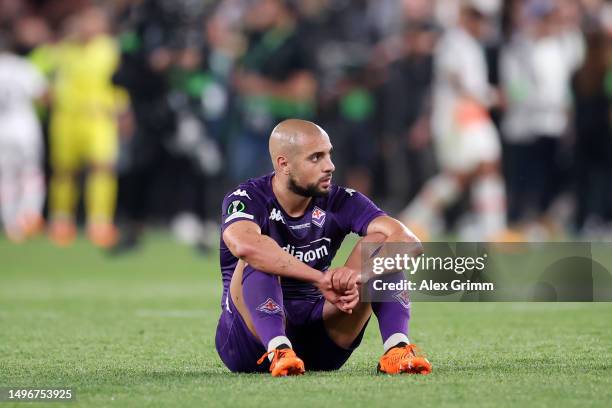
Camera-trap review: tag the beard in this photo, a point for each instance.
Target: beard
(311, 190)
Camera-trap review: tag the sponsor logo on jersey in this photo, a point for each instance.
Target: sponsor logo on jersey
(299, 226)
(307, 255)
(318, 217)
(403, 297)
(241, 193)
(269, 307)
(276, 215)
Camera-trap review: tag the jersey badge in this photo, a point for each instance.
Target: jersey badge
(318, 217)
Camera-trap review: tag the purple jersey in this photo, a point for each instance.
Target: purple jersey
(312, 238)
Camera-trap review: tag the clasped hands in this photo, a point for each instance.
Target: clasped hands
(340, 286)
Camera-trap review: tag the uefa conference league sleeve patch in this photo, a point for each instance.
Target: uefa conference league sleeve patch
(236, 209)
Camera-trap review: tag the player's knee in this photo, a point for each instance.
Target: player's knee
(459, 179)
(488, 168)
(63, 173)
(367, 243)
(258, 277)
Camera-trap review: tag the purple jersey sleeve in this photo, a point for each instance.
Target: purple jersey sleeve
(356, 211)
(242, 204)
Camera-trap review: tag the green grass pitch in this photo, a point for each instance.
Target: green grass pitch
(139, 331)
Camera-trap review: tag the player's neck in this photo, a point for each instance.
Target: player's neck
(294, 204)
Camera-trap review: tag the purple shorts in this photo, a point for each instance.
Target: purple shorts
(239, 349)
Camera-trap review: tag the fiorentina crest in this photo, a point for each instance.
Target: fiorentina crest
(403, 297)
(269, 307)
(318, 217)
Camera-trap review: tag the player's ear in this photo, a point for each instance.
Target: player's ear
(282, 164)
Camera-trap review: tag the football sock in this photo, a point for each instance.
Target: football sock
(101, 195)
(263, 298)
(63, 196)
(393, 320)
(279, 342)
(9, 196)
(393, 312)
(489, 200)
(33, 196)
(438, 192)
(396, 340)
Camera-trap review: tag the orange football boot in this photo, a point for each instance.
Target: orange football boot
(403, 360)
(103, 234)
(62, 232)
(32, 225)
(284, 363)
(15, 235)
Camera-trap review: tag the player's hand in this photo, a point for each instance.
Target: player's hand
(344, 293)
(344, 279)
(349, 300)
(326, 288)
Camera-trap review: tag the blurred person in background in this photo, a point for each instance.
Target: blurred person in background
(34, 41)
(200, 96)
(406, 110)
(162, 70)
(30, 32)
(536, 69)
(466, 141)
(592, 97)
(84, 128)
(22, 190)
(516, 84)
(341, 48)
(274, 80)
(10, 10)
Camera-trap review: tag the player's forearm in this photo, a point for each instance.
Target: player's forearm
(399, 240)
(405, 236)
(264, 254)
(402, 242)
(395, 233)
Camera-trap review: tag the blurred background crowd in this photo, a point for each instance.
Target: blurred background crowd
(146, 112)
